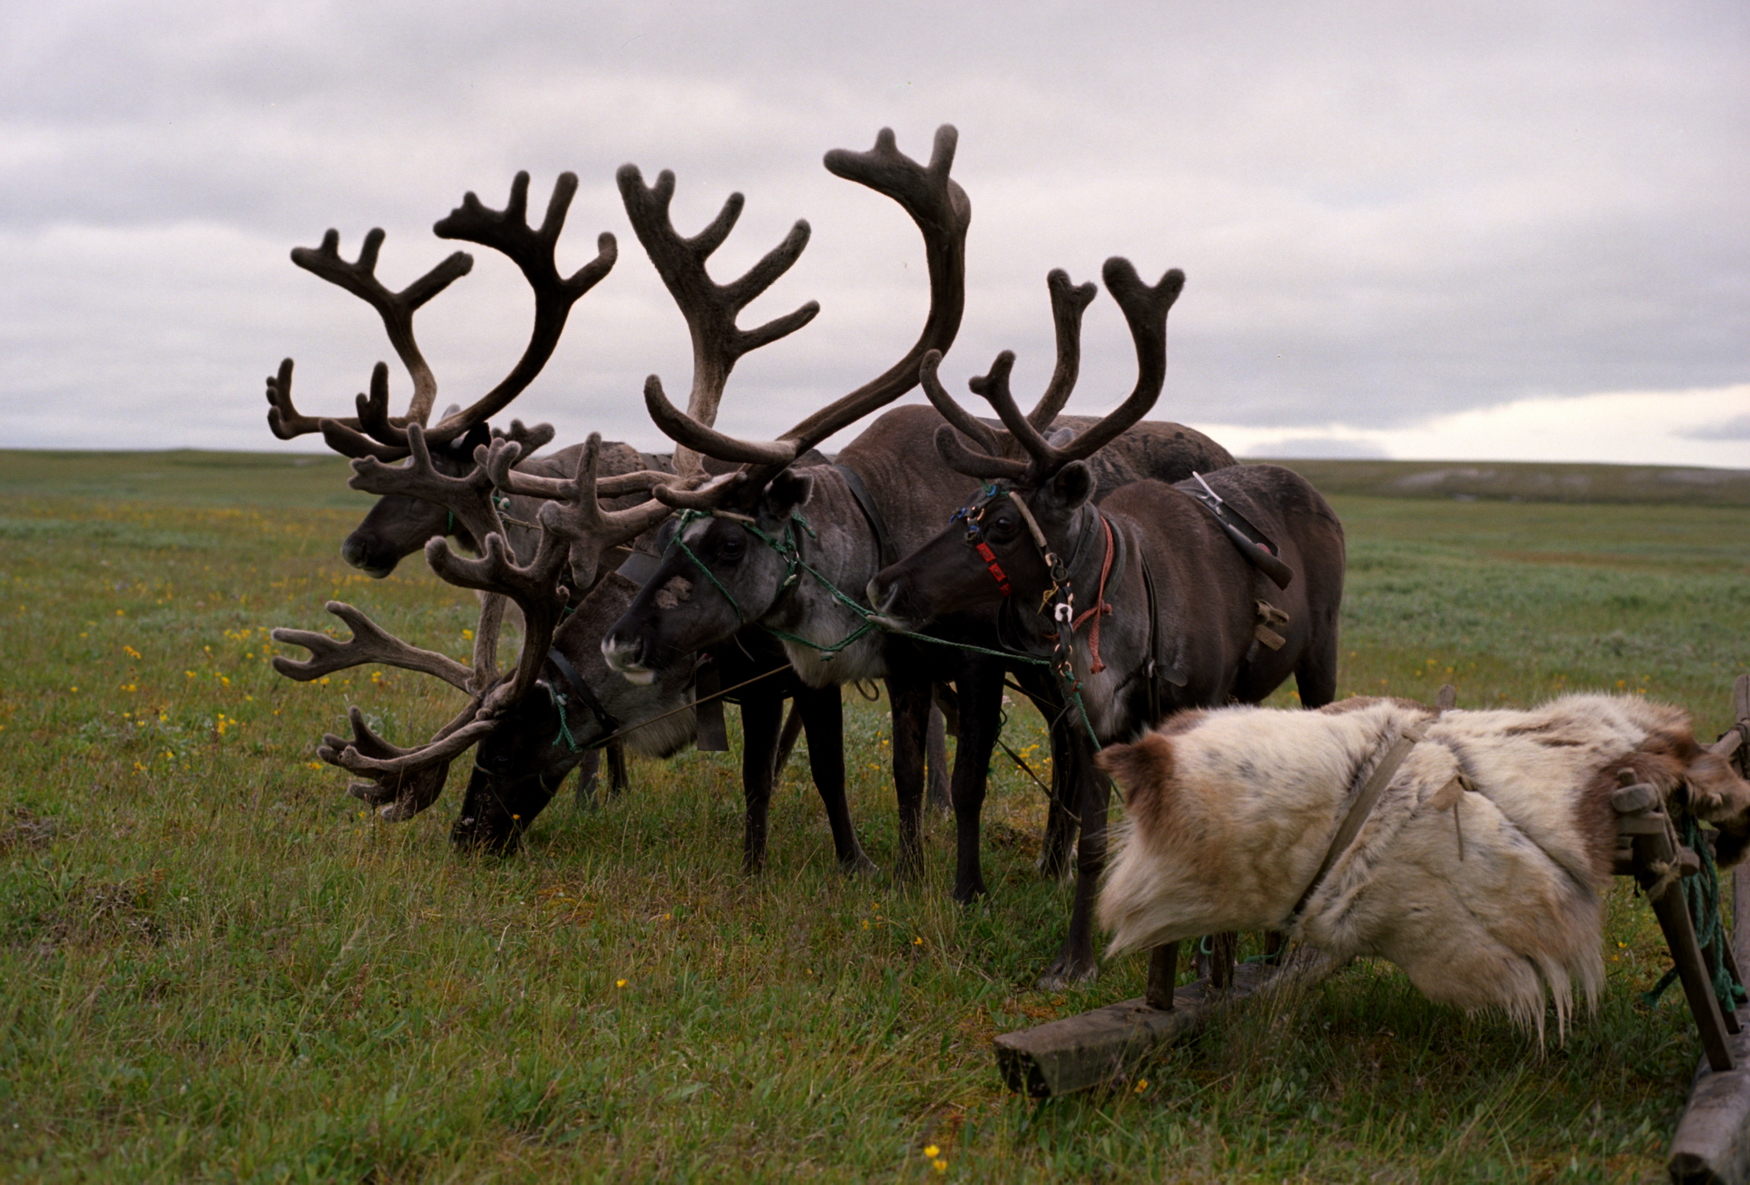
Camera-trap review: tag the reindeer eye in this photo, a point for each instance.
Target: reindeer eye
(730, 547)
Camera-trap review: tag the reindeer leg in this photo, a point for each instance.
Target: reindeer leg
(910, 700)
(794, 723)
(980, 685)
(618, 782)
(1061, 819)
(1061, 822)
(1315, 675)
(1075, 961)
(936, 741)
(587, 779)
(822, 715)
(761, 718)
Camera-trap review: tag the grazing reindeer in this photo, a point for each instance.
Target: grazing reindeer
(402, 520)
(1172, 614)
(407, 513)
(1479, 869)
(514, 779)
(788, 548)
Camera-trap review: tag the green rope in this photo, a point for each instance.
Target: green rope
(690, 516)
(790, 551)
(1701, 896)
(558, 698)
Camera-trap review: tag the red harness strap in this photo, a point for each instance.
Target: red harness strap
(996, 569)
(1101, 608)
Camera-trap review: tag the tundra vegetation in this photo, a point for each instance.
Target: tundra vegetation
(219, 966)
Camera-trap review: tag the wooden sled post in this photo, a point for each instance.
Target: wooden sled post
(1712, 1140)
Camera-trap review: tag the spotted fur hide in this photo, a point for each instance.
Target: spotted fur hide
(1231, 812)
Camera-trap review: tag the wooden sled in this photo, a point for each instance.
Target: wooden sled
(1712, 1140)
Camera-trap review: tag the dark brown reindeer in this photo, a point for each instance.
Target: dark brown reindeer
(404, 516)
(791, 548)
(514, 775)
(401, 521)
(1145, 603)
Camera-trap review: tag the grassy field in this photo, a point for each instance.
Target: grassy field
(216, 967)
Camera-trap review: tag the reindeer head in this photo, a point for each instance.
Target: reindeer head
(1014, 538)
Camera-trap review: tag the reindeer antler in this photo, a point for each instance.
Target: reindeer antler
(1068, 303)
(396, 309)
(1145, 309)
(369, 643)
(710, 308)
(942, 213)
(574, 511)
(401, 782)
(468, 498)
(373, 432)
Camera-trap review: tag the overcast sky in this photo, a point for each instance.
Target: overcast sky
(1471, 230)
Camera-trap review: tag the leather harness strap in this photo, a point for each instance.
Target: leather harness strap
(872, 512)
(1359, 809)
(583, 692)
(1100, 608)
(996, 570)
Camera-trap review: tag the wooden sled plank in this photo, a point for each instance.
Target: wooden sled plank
(1712, 1141)
(1089, 1048)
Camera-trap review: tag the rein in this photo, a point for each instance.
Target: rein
(789, 549)
(1368, 797)
(623, 729)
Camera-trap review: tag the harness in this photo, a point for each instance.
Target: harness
(1361, 806)
(788, 545)
(586, 696)
(1057, 604)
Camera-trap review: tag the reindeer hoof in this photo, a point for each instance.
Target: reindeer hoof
(1066, 972)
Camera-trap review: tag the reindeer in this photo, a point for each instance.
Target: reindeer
(514, 780)
(784, 547)
(400, 523)
(406, 513)
(1173, 613)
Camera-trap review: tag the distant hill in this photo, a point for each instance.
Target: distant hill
(1526, 481)
(315, 479)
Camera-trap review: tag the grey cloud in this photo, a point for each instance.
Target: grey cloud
(1315, 446)
(1736, 428)
(1385, 213)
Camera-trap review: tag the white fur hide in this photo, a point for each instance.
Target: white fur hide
(1232, 811)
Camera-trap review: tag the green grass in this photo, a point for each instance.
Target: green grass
(217, 968)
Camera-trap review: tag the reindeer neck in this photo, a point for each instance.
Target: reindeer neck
(822, 616)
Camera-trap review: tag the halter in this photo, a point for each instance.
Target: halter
(1058, 602)
(788, 545)
(589, 699)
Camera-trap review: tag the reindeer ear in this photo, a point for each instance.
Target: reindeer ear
(1069, 488)
(480, 434)
(1716, 793)
(787, 491)
(1144, 772)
